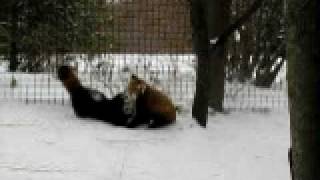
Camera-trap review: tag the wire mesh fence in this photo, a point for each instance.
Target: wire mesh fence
(151, 38)
(177, 83)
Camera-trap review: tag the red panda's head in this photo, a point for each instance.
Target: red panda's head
(65, 72)
(136, 86)
(68, 76)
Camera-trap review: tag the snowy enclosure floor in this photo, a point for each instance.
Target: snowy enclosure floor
(47, 142)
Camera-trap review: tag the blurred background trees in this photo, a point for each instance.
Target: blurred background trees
(33, 30)
(257, 50)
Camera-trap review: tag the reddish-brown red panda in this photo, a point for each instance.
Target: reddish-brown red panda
(152, 106)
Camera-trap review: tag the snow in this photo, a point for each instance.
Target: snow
(155, 62)
(47, 142)
(3, 65)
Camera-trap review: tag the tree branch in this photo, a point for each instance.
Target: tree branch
(222, 38)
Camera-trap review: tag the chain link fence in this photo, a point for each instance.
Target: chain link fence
(151, 38)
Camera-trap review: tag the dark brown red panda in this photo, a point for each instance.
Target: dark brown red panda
(152, 106)
(92, 103)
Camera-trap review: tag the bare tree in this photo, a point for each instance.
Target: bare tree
(201, 45)
(208, 42)
(219, 15)
(303, 52)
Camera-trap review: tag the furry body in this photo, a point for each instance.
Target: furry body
(152, 106)
(88, 103)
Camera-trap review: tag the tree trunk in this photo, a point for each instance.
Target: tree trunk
(217, 79)
(207, 25)
(218, 20)
(303, 52)
(200, 45)
(208, 52)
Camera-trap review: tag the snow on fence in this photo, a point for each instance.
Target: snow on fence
(44, 87)
(174, 74)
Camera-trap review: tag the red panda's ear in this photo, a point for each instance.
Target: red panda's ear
(134, 77)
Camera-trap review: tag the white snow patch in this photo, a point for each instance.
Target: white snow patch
(48, 142)
(214, 41)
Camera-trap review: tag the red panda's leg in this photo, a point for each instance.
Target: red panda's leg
(159, 120)
(141, 117)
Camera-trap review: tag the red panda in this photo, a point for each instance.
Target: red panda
(85, 101)
(152, 105)
(89, 103)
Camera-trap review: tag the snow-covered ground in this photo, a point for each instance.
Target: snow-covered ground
(47, 142)
(44, 141)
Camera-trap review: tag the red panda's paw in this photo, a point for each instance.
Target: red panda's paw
(159, 120)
